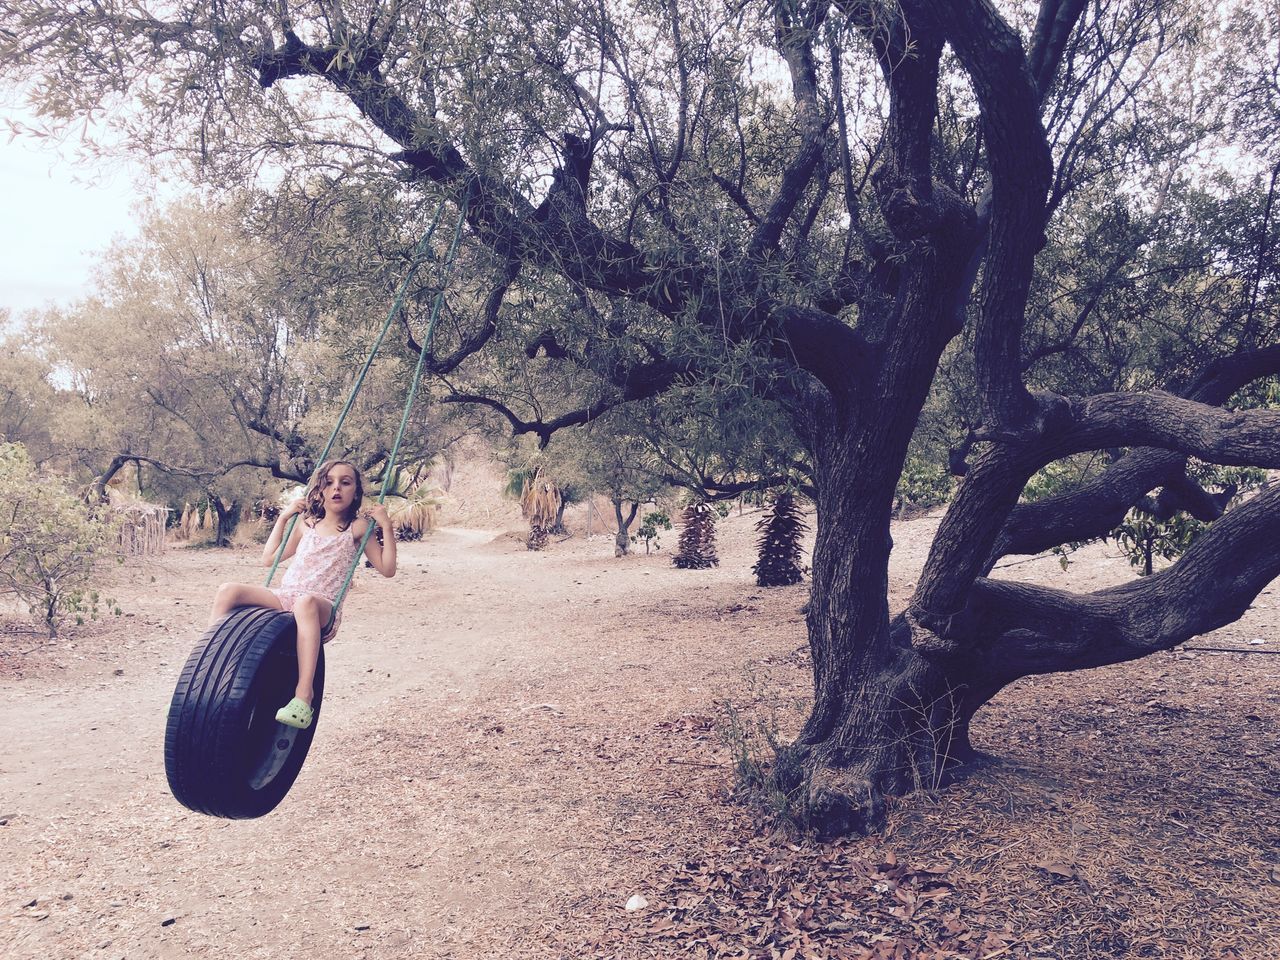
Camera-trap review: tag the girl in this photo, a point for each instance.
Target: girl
(325, 544)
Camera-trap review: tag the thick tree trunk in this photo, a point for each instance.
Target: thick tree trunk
(886, 720)
(228, 520)
(622, 540)
(885, 717)
(894, 699)
(557, 527)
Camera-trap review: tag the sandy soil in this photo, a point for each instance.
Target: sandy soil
(513, 744)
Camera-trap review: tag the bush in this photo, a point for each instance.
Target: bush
(1143, 538)
(922, 485)
(651, 525)
(50, 542)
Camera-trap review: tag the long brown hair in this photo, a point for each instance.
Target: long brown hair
(315, 494)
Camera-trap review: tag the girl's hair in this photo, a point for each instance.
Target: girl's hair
(315, 494)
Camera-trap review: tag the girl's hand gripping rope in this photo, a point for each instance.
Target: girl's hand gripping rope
(381, 555)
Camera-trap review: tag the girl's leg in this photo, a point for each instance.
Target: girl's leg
(311, 613)
(232, 595)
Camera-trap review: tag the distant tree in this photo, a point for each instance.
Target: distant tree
(28, 400)
(612, 457)
(210, 359)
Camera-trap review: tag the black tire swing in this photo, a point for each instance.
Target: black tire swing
(224, 753)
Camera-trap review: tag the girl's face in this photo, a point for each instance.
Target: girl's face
(339, 488)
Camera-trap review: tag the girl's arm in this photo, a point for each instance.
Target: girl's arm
(381, 555)
(277, 532)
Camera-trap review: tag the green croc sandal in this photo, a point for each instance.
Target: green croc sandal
(296, 713)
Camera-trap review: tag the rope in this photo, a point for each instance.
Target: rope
(389, 475)
(419, 254)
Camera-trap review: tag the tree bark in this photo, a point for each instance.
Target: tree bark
(228, 519)
(622, 540)
(557, 527)
(883, 714)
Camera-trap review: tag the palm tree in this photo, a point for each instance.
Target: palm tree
(780, 530)
(414, 513)
(541, 503)
(697, 549)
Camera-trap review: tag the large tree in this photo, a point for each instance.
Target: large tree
(27, 398)
(214, 361)
(810, 202)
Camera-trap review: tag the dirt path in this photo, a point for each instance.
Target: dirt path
(108, 698)
(514, 743)
(368, 852)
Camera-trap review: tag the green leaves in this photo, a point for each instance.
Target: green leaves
(50, 542)
(651, 525)
(1144, 538)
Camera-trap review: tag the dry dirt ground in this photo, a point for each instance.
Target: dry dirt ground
(515, 744)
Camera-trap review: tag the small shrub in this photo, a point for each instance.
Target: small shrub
(650, 525)
(1143, 538)
(50, 543)
(762, 772)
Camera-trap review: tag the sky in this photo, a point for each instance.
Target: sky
(56, 214)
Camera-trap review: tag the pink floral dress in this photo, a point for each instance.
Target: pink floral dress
(319, 567)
